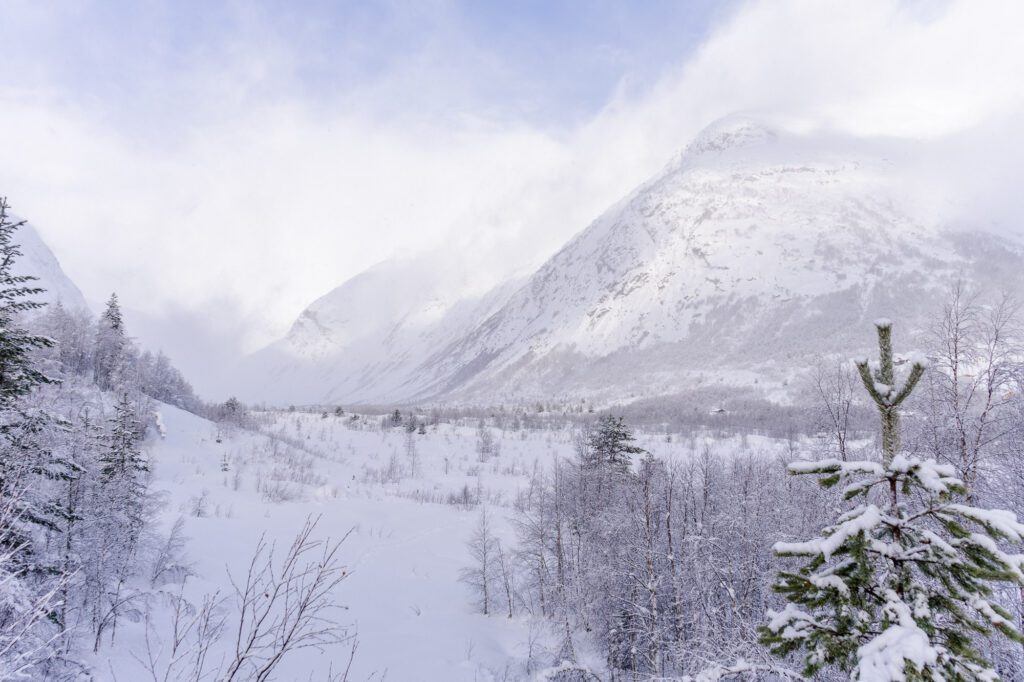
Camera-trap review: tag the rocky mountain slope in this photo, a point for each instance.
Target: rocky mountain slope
(753, 249)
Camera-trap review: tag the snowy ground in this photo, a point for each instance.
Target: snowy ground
(415, 619)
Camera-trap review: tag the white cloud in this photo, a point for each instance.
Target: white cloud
(268, 203)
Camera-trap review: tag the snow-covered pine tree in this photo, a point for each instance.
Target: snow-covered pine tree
(114, 536)
(109, 345)
(25, 463)
(611, 445)
(123, 468)
(18, 371)
(232, 412)
(29, 577)
(900, 586)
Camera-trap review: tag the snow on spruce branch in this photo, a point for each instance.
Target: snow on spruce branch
(901, 586)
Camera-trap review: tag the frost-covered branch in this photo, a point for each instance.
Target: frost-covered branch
(286, 606)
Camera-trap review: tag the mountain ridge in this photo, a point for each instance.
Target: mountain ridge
(749, 243)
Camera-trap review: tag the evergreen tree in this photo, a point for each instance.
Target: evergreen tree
(900, 586)
(109, 346)
(28, 469)
(123, 468)
(25, 463)
(232, 411)
(112, 317)
(611, 445)
(115, 533)
(18, 371)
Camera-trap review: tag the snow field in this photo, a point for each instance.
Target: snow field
(408, 514)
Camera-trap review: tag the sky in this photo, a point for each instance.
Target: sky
(223, 164)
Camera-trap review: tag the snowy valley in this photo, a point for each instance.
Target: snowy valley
(560, 341)
(601, 471)
(407, 504)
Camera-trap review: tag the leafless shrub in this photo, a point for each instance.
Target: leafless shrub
(200, 505)
(282, 605)
(25, 642)
(277, 491)
(193, 633)
(167, 565)
(286, 606)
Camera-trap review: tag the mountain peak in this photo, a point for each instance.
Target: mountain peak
(730, 132)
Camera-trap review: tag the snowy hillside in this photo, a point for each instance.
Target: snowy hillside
(367, 336)
(755, 247)
(38, 260)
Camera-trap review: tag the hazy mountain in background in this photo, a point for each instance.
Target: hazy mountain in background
(367, 336)
(38, 260)
(753, 249)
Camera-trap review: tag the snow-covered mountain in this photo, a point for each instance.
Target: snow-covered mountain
(366, 337)
(38, 260)
(753, 249)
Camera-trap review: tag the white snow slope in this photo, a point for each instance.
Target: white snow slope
(751, 250)
(38, 260)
